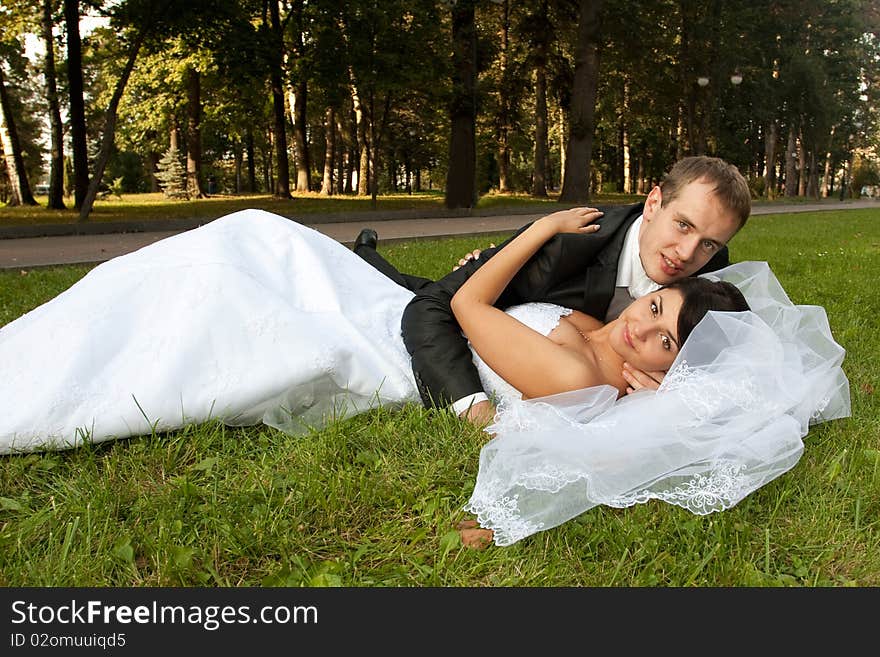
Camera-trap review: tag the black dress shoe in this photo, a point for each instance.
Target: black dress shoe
(367, 237)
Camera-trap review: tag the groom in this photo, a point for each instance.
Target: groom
(681, 229)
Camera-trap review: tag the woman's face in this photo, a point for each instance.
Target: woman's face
(645, 334)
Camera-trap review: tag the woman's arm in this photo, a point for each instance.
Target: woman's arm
(529, 361)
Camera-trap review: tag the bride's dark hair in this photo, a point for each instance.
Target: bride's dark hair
(702, 295)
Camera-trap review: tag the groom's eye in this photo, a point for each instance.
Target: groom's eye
(653, 309)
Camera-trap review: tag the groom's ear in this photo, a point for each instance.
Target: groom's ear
(653, 203)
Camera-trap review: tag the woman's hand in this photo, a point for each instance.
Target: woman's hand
(573, 220)
(639, 380)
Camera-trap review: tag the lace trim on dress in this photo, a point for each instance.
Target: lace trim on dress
(718, 490)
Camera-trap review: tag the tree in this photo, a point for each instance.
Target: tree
(75, 90)
(274, 32)
(576, 183)
(461, 189)
(172, 175)
(541, 30)
(193, 133)
(15, 170)
(56, 159)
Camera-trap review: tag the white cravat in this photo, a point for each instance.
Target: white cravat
(630, 272)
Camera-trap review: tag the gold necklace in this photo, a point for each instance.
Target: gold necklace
(586, 338)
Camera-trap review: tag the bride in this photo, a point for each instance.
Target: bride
(255, 318)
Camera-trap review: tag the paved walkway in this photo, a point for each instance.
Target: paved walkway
(25, 252)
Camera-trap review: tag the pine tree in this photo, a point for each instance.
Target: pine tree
(171, 175)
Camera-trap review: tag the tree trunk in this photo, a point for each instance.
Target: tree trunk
(56, 158)
(543, 29)
(238, 154)
(194, 186)
(282, 181)
(345, 138)
(560, 127)
(826, 177)
(251, 161)
(373, 152)
(302, 161)
(110, 116)
(461, 177)
(640, 185)
(576, 188)
(329, 151)
(813, 181)
(362, 159)
(803, 167)
(504, 118)
(539, 181)
(624, 138)
(77, 104)
(153, 165)
(771, 136)
(18, 182)
(791, 174)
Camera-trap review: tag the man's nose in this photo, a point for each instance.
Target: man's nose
(687, 248)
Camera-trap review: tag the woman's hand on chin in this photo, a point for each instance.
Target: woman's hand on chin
(639, 380)
(574, 220)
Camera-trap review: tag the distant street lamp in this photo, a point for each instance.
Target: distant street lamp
(736, 79)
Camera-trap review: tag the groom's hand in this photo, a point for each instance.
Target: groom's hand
(480, 414)
(639, 380)
(473, 255)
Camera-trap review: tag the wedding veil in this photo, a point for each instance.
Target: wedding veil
(729, 417)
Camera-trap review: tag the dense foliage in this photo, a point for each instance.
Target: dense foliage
(368, 97)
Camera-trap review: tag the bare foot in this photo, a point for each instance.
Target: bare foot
(473, 536)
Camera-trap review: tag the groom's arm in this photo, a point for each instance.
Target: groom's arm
(441, 359)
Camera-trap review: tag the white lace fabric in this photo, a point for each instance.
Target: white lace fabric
(729, 417)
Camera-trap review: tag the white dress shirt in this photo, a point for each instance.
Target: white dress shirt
(632, 279)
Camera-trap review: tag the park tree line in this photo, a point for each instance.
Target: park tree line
(365, 97)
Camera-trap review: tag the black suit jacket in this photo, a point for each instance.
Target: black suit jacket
(571, 270)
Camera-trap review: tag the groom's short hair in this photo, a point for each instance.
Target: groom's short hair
(730, 186)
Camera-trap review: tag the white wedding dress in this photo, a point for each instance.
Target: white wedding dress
(250, 318)
(255, 318)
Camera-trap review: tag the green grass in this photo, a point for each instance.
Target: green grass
(372, 501)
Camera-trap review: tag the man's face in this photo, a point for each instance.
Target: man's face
(677, 239)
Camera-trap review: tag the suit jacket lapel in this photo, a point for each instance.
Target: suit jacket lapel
(601, 276)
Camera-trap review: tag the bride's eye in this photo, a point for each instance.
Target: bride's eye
(667, 343)
(653, 309)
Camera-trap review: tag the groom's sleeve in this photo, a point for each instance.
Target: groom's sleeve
(441, 359)
(442, 363)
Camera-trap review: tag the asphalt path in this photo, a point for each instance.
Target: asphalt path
(28, 252)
